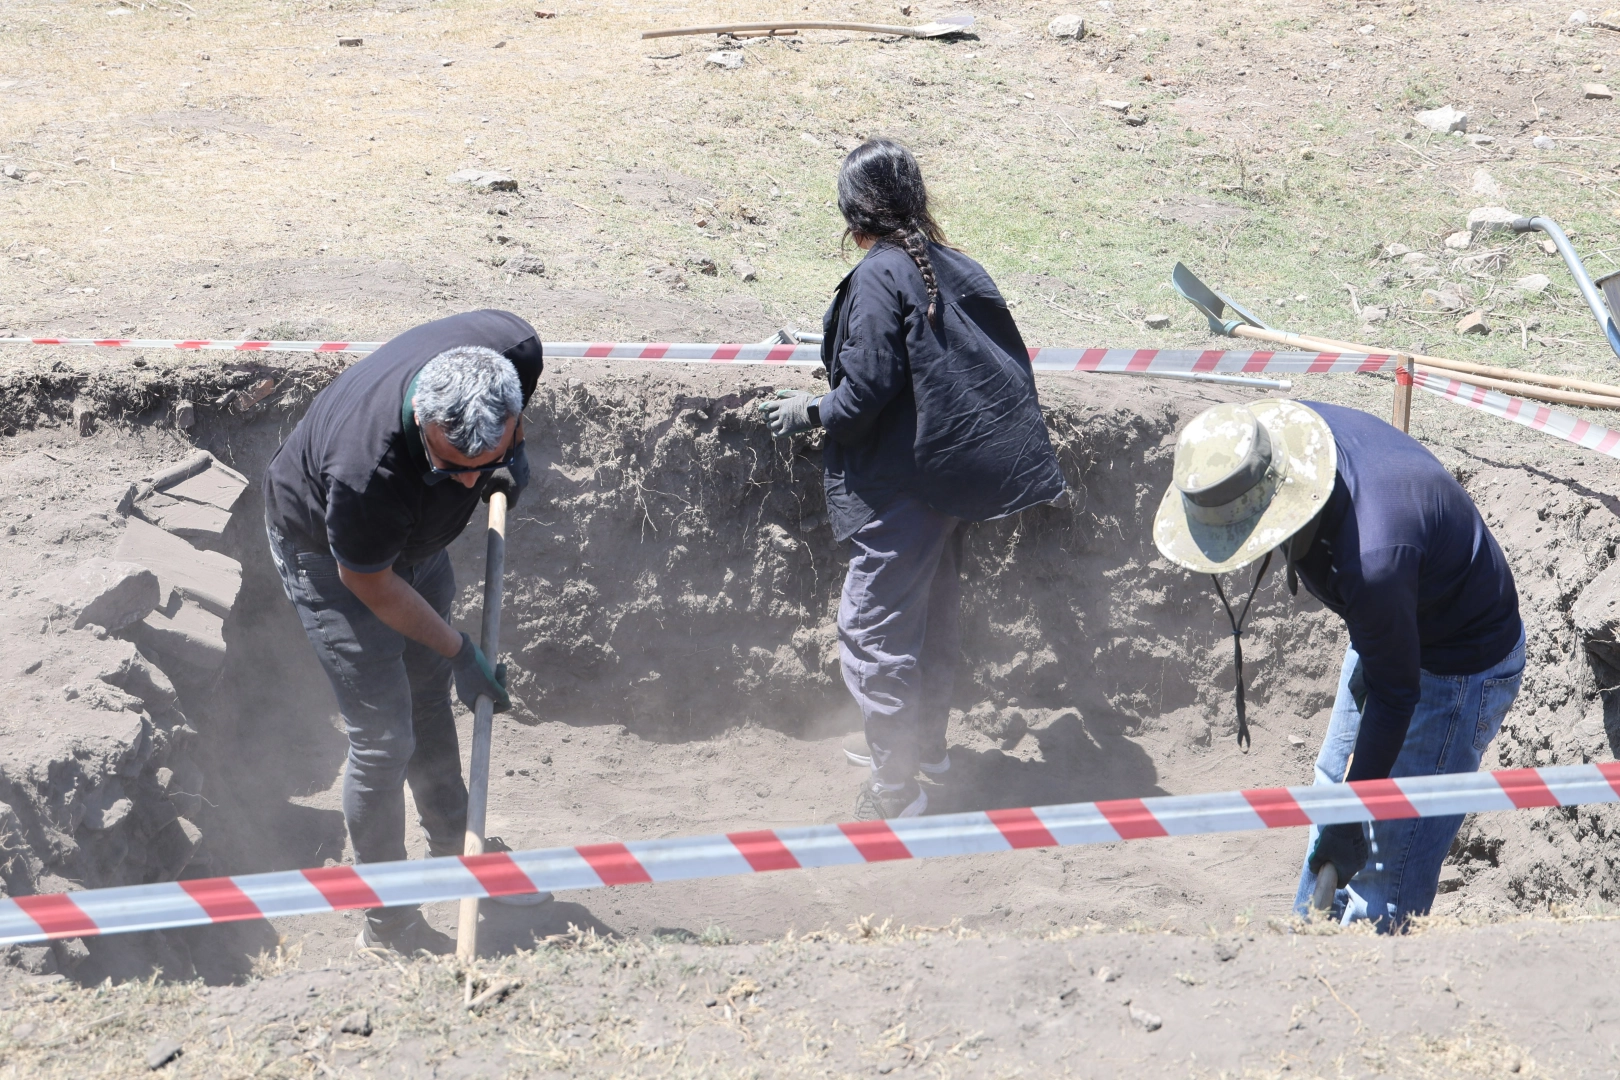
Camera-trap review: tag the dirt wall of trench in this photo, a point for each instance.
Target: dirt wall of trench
(671, 570)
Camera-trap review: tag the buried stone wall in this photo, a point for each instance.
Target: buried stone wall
(114, 619)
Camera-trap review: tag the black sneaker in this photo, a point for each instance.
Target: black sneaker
(408, 934)
(874, 803)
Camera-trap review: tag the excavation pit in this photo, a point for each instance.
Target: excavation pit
(671, 584)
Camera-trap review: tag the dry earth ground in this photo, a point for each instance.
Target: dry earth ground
(228, 170)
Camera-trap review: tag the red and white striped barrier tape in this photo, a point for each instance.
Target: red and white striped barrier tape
(1223, 365)
(1528, 413)
(335, 888)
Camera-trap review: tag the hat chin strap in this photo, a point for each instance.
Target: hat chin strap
(1237, 622)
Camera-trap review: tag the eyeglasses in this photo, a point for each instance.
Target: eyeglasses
(511, 456)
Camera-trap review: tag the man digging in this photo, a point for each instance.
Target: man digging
(1387, 539)
(361, 502)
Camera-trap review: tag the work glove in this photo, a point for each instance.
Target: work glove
(793, 411)
(511, 480)
(476, 679)
(1344, 845)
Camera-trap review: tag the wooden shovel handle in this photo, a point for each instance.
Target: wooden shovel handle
(483, 722)
(1327, 883)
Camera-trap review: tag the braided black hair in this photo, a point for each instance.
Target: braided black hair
(881, 195)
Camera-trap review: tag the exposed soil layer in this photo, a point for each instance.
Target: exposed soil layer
(1248, 1001)
(670, 596)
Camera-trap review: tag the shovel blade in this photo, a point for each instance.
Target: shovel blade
(1211, 303)
(951, 24)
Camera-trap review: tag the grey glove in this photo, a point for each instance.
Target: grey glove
(793, 411)
(1344, 845)
(511, 480)
(476, 679)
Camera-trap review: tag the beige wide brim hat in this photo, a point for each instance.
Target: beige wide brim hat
(1295, 479)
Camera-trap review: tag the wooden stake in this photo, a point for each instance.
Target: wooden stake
(483, 721)
(1403, 393)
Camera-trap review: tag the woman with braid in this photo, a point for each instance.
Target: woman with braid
(932, 423)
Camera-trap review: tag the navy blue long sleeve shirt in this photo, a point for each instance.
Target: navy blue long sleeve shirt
(1403, 556)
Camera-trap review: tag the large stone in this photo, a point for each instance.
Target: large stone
(1597, 617)
(191, 635)
(1485, 220)
(209, 578)
(216, 486)
(102, 592)
(1444, 120)
(1067, 26)
(190, 520)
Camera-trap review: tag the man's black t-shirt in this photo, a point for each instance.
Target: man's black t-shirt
(352, 477)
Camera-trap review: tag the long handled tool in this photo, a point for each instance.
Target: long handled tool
(951, 24)
(1509, 380)
(483, 720)
(1594, 293)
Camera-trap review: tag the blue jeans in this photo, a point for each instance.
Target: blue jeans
(394, 696)
(898, 634)
(1455, 720)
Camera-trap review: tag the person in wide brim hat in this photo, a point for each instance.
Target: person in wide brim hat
(1384, 536)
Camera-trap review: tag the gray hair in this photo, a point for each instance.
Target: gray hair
(470, 392)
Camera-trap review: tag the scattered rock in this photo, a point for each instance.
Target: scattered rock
(356, 1023)
(1597, 92)
(1484, 220)
(1578, 18)
(1443, 300)
(351, 42)
(185, 415)
(731, 60)
(1542, 142)
(1226, 950)
(484, 180)
(1451, 879)
(1374, 314)
(703, 265)
(1533, 284)
(1395, 251)
(1117, 106)
(1145, 1020)
(1474, 139)
(1609, 20)
(1067, 26)
(1485, 185)
(33, 960)
(1444, 120)
(1459, 241)
(11, 172)
(1473, 323)
(545, 14)
(1158, 321)
(1416, 258)
(163, 1051)
(1296, 741)
(1106, 974)
(744, 270)
(105, 593)
(525, 264)
(667, 275)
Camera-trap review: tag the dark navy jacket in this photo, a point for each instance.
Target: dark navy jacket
(945, 411)
(1403, 556)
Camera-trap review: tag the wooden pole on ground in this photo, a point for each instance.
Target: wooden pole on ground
(483, 721)
(1526, 384)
